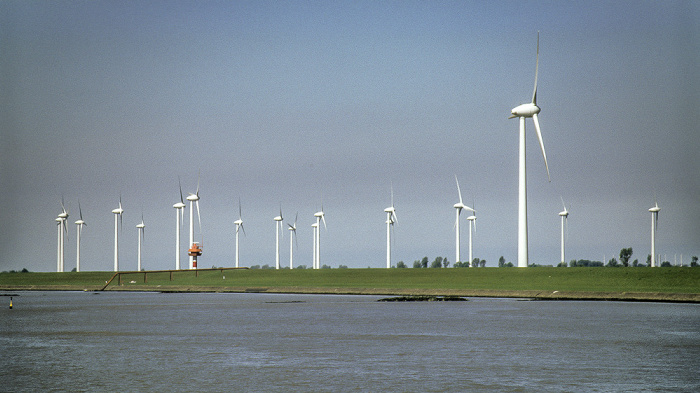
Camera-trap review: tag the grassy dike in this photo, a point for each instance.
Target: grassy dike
(642, 284)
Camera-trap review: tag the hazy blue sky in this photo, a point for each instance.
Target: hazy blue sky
(303, 103)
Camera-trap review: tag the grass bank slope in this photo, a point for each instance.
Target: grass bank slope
(603, 283)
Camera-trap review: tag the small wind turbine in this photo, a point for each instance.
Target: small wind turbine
(319, 216)
(459, 206)
(79, 224)
(564, 222)
(141, 234)
(292, 234)
(194, 199)
(654, 222)
(239, 225)
(179, 215)
(278, 224)
(390, 220)
(63, 216)
(314, 227)
(524, 111)
(117, 218)
(472, 222)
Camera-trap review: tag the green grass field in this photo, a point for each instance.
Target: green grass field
(608, 280)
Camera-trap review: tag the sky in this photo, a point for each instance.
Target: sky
(306, 105)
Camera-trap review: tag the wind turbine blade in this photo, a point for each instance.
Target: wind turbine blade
(458, 190)
(199, 217)
(198, 175)
(537, 65)
(539, 136)
(80, 211)
(239, 209)
(323, 217)
(243, 228)
(562, 202)
(295, 220)
(180, 184)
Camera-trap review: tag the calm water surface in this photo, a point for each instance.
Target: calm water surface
(140, 342)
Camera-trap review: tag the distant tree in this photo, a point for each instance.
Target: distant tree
(625, 255)
(501, 261)
(255, 267)
(401, 265)
(613, 263)
(424, 262)
(437, 263)
(417, 264)
(666, 264)
(75, 269)
(342, 267)
(445, 263)
(324, 266)
(648, 260)
(483, 263)
(266, 267)
(475, 262)
(635, 263)
(694, 261)
(300, 267)
(461, 264)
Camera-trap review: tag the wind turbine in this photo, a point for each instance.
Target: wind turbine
(564, 221)
(193, 198)
(524, 111)
(472, 222)
(63, 216)
(79, 224)
(314, 227)
(654, 222)
(292, 234)
(117, 218)
(179, 215)
(319, 216)
(459, 206)
(141, 234)
(278, 223)
(390, 220)
(239, 225)
(59, 225)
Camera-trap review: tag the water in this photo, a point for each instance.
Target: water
(137, 342)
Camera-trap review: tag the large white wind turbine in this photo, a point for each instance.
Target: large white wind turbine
(319, 216)
(278, 224)
(564, 221)
(194, 199)
(141, 228)
(459, 206)
(654, 221)
(63, 216)
(79, 224)
(179, 220)
(524, 111)
(239, 225)
(117, 218)
(390, 220)
(292, 234)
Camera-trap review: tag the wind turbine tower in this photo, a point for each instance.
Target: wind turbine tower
(390, 220)
(564, 221)
(314, 227)
(529, 110)
(179, 220)
(472, 222)
(319, 216)
(59, 238)
(292, 234)
(141, 228)
(194, 199)
(459, 206)
(79, 224)
(278, 223)
(117, 218)
(654, 221)
(239, 226)
(63, 217)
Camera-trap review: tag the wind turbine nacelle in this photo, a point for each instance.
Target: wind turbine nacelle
(278, 218)
(655, 209)
(564, 213)
(525, 110)
(179, 205)
(192, 197)
(117, 211)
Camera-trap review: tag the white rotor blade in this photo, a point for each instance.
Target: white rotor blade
(323, 217)
(458, 191)
(199, 217)
(537, 65)
(539, 136)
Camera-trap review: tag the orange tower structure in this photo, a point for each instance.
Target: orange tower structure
(194, 252)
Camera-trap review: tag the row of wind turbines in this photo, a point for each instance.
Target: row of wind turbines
(522, 112)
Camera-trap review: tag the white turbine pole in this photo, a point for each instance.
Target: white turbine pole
(654, 218)
(564, 217)
(314, 227)
(191, 237)
(471, 220)
(458, 256)
(63, 216)
(239, 226)
(58, 244)
(292, 234)
(278, 223)
(140, 228)
(522, 112)
(117, 215)
(388, 238)
(79, 229)
(319, 216)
